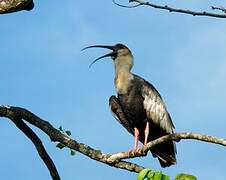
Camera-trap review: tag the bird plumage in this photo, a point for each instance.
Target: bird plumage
(141, 104)
(139, 107)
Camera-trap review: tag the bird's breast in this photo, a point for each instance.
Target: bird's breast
(132, 104)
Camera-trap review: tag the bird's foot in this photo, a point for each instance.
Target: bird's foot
(138, 150)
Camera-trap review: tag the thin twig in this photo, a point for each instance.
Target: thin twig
(120, 5)
(221, 8)
(172, 9)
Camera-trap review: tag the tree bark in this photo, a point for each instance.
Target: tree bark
(10, 6)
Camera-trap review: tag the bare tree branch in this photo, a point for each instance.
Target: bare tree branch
(120, 5)
(38, 145)
(56, 135)
(114, 160)
(221, 8)
(10, 6)
(175, 137)
(172, 9)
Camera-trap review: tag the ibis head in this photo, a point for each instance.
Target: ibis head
(120, 54)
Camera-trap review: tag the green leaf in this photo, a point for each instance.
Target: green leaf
(60, 145)
(143, 174)
(68, 132)
(183, 176)
(157, 176)
(151, 174)
(165, 177)
(60, 128)
(72, 152)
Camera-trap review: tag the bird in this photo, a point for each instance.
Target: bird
(138, 106)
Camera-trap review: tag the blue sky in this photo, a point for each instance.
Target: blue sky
(44, 71)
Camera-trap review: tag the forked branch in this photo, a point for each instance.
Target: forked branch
(56, 136)
(115, 160)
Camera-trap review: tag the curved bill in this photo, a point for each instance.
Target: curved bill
(107, 55)
(114, 53)
(99, 46)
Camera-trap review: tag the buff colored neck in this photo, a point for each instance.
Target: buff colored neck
(123, 76)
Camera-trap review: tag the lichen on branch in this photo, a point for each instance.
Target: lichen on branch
(10, 6)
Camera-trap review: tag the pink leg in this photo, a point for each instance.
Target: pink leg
(146, 133)
(136, 138)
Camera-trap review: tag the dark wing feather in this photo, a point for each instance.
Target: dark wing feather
(118, 113)
(160, 124)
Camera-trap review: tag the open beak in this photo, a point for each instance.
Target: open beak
(111, 54)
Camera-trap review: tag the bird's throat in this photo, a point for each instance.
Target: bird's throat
(123, 81)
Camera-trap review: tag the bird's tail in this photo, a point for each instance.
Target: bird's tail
(166, 153)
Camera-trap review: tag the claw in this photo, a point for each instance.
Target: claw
(133, 151)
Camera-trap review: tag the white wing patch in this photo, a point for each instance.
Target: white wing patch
(156, 109)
